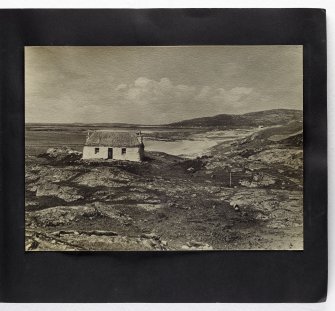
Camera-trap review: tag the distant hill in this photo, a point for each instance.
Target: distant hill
(259, 118)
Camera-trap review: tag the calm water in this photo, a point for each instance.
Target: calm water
(197, 144)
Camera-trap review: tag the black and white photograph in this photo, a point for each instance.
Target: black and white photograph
(164, 148)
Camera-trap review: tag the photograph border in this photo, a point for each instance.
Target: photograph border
(216, 276)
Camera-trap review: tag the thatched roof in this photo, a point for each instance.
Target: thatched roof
(113, 139)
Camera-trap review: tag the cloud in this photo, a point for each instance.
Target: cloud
(144, 100)
(145, 91)
(168, 101)
(158, 84)
(149, 91)
(231, 96)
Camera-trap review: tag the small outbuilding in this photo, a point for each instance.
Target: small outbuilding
(111, 145)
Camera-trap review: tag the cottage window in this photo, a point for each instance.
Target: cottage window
(96, 150)
(123, 151)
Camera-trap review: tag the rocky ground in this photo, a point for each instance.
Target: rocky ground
(245, 194)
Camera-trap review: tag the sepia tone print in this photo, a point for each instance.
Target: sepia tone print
(191, 148)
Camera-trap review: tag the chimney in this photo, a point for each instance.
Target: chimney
(139, 134)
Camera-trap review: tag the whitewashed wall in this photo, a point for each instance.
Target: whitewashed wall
(132, 154)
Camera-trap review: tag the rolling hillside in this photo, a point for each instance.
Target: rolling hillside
(265, 118)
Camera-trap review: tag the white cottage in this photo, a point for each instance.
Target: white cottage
(110, 145)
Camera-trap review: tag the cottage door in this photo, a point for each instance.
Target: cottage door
(110, 153)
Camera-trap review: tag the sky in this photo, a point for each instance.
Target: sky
(158, 85)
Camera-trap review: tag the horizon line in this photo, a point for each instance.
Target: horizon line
(136, 124)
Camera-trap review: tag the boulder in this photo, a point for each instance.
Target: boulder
(66, 193)
(62, 154)
(60, 215)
